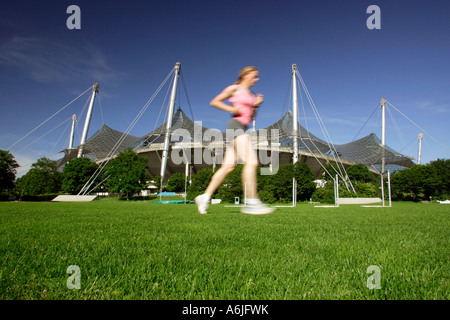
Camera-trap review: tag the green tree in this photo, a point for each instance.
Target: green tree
(156, 182)
(305, 181)
(324, 194)
(442, 168)
(330, 171)
(279, 185)
(127, 173)
(415, 183)
(200, 181)
(42, 178)
(76, 173)
(283, 179)
(8, 171)
(232, 185)
(365, 190)
(360, 173)
(267, 193)
(176, 182)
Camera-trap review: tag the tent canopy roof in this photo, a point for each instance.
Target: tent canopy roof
(367, 150)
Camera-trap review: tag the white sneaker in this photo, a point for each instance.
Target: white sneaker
(202, 203)
(259, 208)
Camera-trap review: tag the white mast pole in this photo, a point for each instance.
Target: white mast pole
(383, 132)
(173, 96)
(336, 191)
(294, 129)
(88, 119)
(420, 147)
(383, 144)
(383, 121)
(389, 188)
(72, 132)
(186, 172)
(295, 113)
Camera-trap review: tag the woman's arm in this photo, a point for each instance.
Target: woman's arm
(218, 103)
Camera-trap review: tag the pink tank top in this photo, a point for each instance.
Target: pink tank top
(244, 100)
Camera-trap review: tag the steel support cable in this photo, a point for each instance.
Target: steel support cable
(60, 137)
(166, 115)
(114, 109)
(377, 107)
(31, 143)
(301, 139)
(418, 126)
(157, 120)
(311, 140)
(39, 138)
(407, 145)
(100, 183)
(429, 148)
(122, 138)
(304, 111)
(187, 96)
(318, 118)
(67, 105)
(101, 110)
(335, 153)
(399, 133)
(109, 157)
(325, 132)
(324, 156)
(316, 113)
(91, 180)
(288, 96)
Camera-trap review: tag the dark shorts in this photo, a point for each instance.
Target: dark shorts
(234, 125)
(234, 129)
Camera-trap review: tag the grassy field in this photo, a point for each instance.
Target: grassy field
(141, 250)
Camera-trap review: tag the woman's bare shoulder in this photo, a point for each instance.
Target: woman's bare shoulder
(227, 92)
(231, 89)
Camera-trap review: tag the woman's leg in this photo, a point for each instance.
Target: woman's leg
(246, 153)
(228, 165)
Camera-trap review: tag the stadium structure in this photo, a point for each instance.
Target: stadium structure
(182, 145)
(367, 150)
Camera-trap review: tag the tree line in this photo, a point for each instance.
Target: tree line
(127, 174)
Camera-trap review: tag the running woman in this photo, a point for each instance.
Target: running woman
(243, 108)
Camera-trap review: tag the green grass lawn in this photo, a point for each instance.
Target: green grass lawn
(141, 250)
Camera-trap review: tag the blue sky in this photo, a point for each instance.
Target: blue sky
(130, 46)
